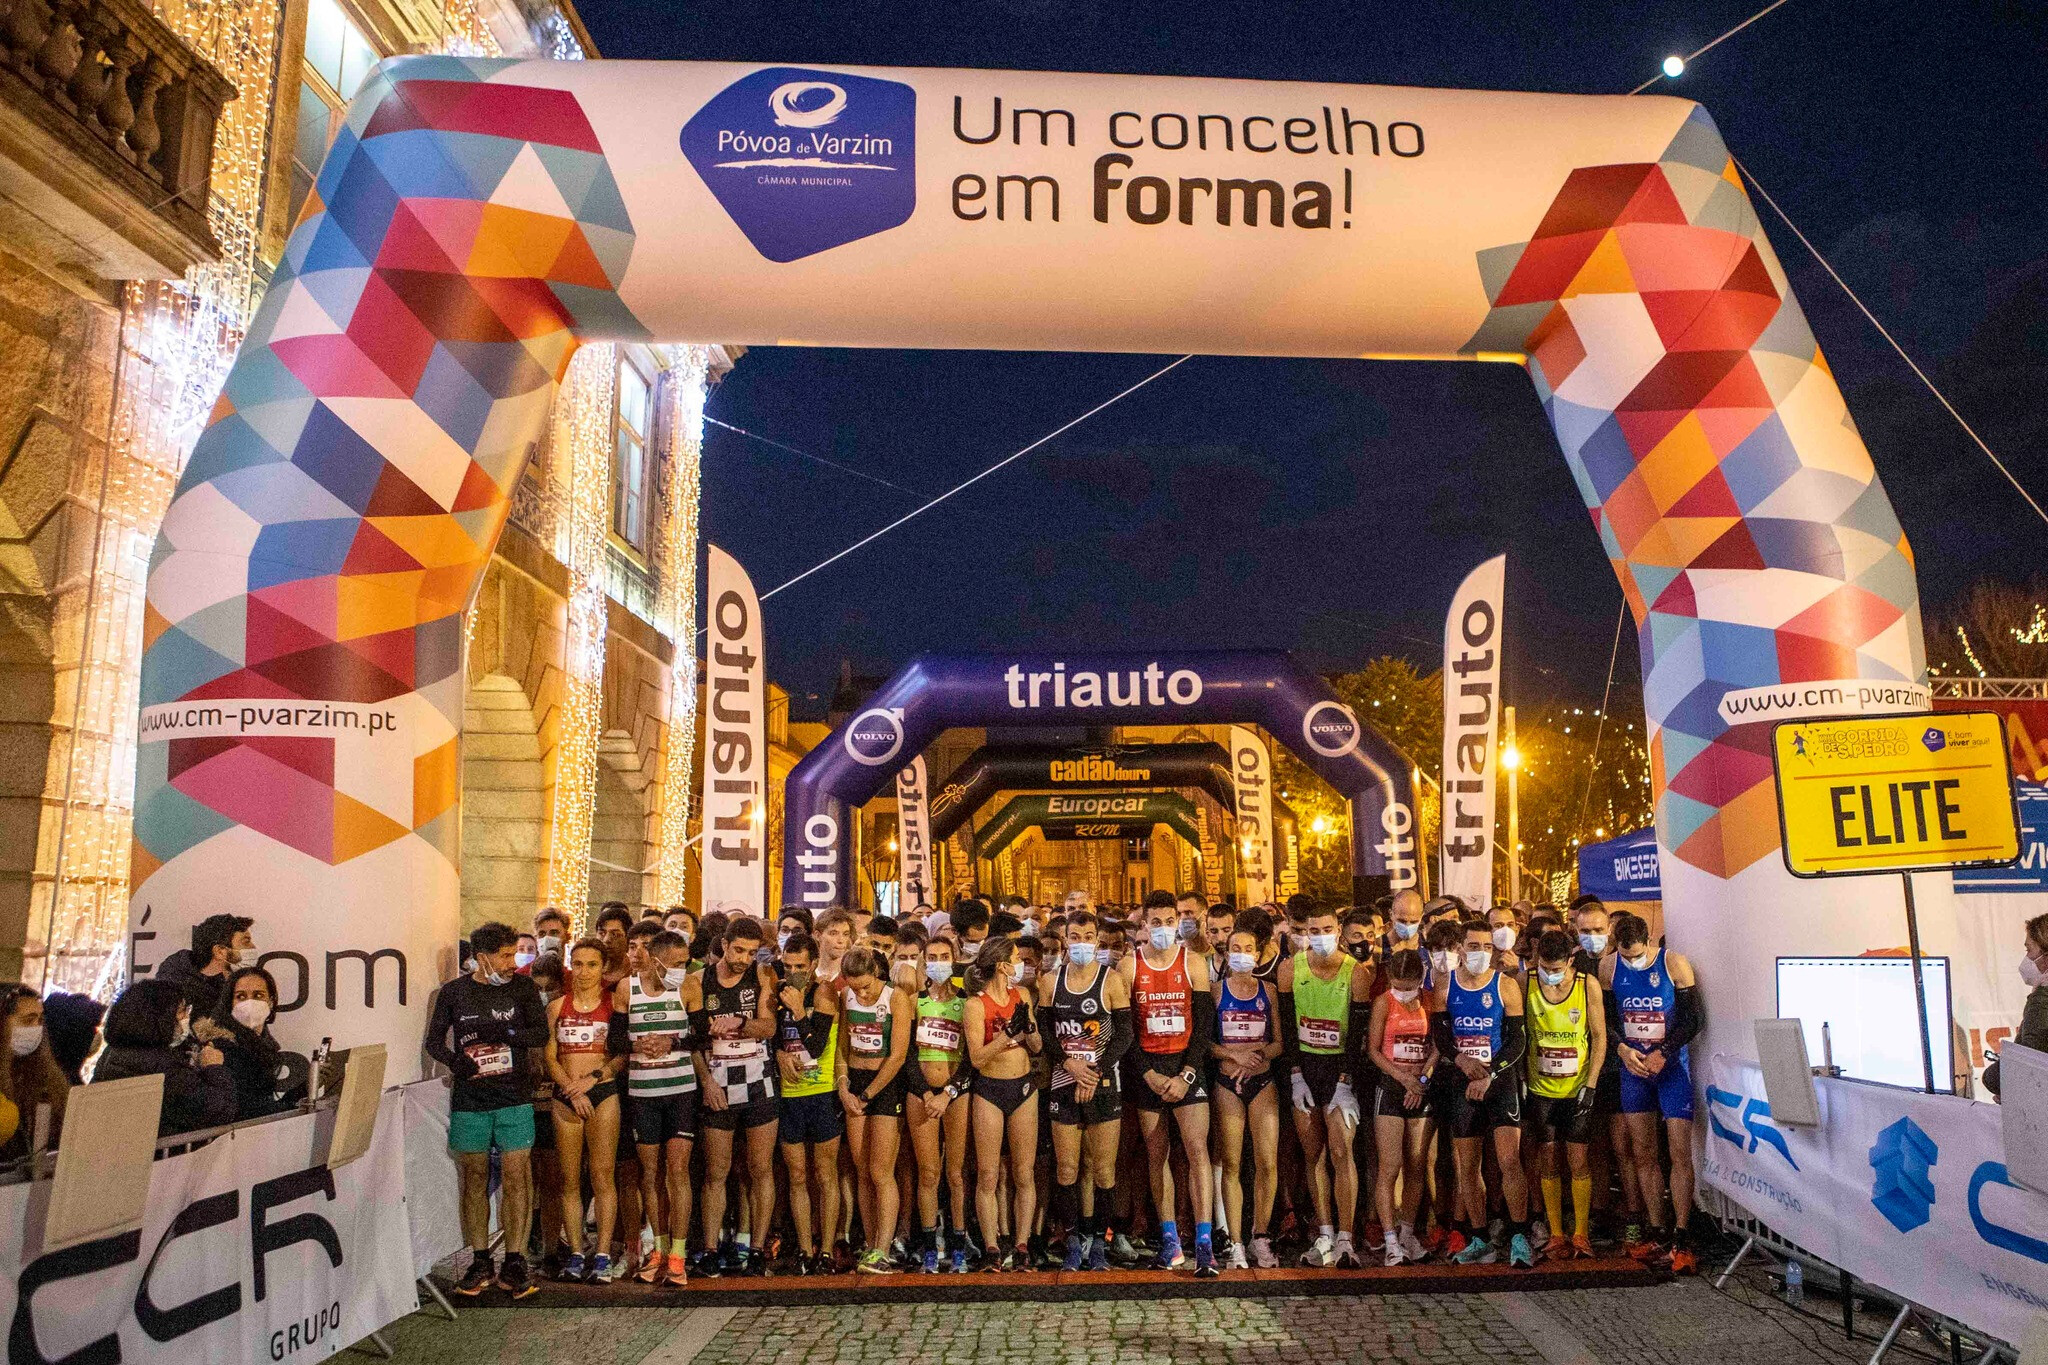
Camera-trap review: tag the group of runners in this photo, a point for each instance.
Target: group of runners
(1012, 1087)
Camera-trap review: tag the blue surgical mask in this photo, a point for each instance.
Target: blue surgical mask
(938, 971)
(1189, 928)
(1163, 936)
(1322, 945)
(1555, 978)
(1243, 962)
(1081, 954)
(1595, 944)
(1404, 930)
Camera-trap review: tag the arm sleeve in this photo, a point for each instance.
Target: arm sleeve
(1202, 1032)
(1289, 1043)
(1692, 1017)
(1440, 1033)
(816, 1031)
(438, 1027)
(1514, 1042)
(700, 1030)
(618, 1035)
(1121, 1036)
(1360, 1032)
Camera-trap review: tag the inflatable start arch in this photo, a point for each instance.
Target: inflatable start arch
(476, 220)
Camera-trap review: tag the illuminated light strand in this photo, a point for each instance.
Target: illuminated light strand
(689, 367)
(581, 438)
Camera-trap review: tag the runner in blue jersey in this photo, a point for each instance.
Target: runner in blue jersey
(1658, 999)
(1479, 1026)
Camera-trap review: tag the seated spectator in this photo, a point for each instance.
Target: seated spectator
(29, 1074)
(268, 1079)
(148, 1032)
(219, 943)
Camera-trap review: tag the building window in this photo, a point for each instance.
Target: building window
(337, 58)
(632, 409)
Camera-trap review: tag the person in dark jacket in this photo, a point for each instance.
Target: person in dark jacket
(148, 1032)
(2033, 1031)
(268, 1079)
(73, 1023)
(220, 943)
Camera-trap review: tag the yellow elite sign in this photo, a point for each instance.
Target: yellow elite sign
(1895, 793)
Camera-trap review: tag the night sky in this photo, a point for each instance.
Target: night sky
(1331, 507)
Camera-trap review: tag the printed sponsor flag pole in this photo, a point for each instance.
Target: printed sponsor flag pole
(736, 743)
(1472, 635)
(1251, 773)
(913, 834)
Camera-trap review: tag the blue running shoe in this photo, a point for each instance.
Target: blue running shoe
(1205, 1261)
(1520, 1253)
(1478, 1251)
(572, 1269)
(1170, 1257)
(1077, 1252)
(929, 1262)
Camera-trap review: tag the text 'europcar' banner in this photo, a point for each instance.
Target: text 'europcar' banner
(913, 834)
(735, 802)
(1472, 643)
(251, 1250)
(1904, 1190)
(1251, 771)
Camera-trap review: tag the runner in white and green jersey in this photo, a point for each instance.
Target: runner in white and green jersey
(661, 1094)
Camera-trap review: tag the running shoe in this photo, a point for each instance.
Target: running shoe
(899, 1254)
(1395, 1256)
(1170, 1255)
(1453, 1245)
(479, 1277)
(1477, 1251)
(1347, 1255)
(1684, 1261)
(573, 1268)
(1434, 1243)
(1411, 1245)
(1582, 1247)
(515, 1278)
(1322, 1254)
(677, 1273)
(1233, 1259)
(1122, 1251)
(650, 1268)
(928, 1263)
(1205, 1261)
(1262, 1254)
(1539, 1233)
(875, 1262)
(958, 1264)
(1098, 1252)
(1632, 1240)
(843, 1258)
(551, 1266)
(1520, 1253)
(1077, 1252)
(602, 1271)
(1648, 1248)
(754, 1264)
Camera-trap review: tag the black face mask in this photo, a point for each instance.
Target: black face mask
(1362, 950)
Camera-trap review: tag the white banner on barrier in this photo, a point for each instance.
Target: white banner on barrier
(1906, 1191)
(251, 1251)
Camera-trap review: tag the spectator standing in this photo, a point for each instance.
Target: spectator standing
(29, 1072)
(268, 1079)
(219, 944)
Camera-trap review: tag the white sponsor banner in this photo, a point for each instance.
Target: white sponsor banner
(1251, 773)
(251, 1250)
(913, 835)
(735, 805)
(1797, 701)
(1906, 1191)
(1472, 640)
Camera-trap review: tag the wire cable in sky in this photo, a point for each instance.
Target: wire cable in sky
(1662, 76)
(965, 484)
(1606, 695)
(1884, 332)
(814, 459)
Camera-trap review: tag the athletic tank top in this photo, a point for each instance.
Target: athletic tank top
(583, 1031)
(1080, 1020)
(939, 1035)
(1243, 1020)
(1647, 1001)
(1406, 1038)
(660, 1015)
(1322, 1009)
(814, 1076)
(1269, 971)
(996, 1018)
(1560, 1037)
(867, 1027)
(1476, 1017)
(741, 1002)
(1164, 1003)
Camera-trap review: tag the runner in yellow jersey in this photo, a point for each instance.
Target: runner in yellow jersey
(1567, 1031)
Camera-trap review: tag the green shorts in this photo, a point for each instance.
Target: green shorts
(509, 1129)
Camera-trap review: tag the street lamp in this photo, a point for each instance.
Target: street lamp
(1319, 825)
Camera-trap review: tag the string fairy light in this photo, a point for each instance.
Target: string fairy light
(689, 367)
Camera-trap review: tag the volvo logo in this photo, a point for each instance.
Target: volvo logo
(874, 736)
(1330, 728)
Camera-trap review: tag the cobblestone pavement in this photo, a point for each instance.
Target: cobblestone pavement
(1679, 1324)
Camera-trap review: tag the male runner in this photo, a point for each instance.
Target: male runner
(1325, 1014)
(1567, 1049)
(739, 1019)
(1087, 1007)
(807, 1056)
(662, 1085)
(1659, 1001)
(1479, 1025)
(1167, 982)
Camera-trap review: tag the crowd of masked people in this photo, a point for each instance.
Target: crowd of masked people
(1006, 1087)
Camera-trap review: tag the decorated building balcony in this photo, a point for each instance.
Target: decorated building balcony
(106, 141)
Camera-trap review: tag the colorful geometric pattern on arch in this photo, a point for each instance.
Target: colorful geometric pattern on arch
(363, 450)
(1726, 480)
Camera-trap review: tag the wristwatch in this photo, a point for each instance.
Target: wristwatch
(1187, 1077)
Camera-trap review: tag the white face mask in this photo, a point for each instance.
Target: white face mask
(1405, 997)
(1322, 945)
(1031, 928)
(937, 971)
(1440, 959)
(1477, 960)
(27, 1038)
(1081, 954)
(243, 954)
(1022, 972)
(181, 1032)
(1595, 944)
(1163, 936)
(523, 959)
(549, 943)
(2030, 972)
(1504, 938)
(1637, 963)
(674, 976)
(1243, 962)
(252, 1014)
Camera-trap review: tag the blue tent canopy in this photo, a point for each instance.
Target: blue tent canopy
(1622, 869)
